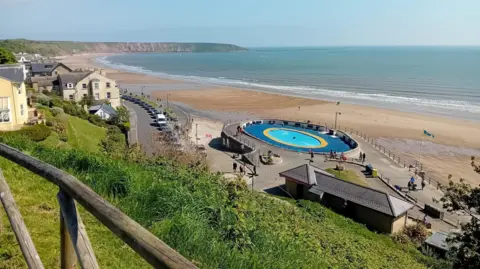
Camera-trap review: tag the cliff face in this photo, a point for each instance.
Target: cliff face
(57, 48)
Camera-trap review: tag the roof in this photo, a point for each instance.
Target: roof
(12, 72)
(304, 174)
(73, 77)
(46, 67)
(323, 182)
(438, 240)
(105, 107)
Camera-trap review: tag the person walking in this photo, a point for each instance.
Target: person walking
(234, 167)
(360, 157)
(363, 157)
(423, 184)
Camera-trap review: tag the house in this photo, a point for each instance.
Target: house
(48, 69)
(378, 210)
(104, 111)
(74, 86)
(438, 243)
(48, 83)
(13, 97)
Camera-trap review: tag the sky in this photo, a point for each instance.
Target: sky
(250, 23)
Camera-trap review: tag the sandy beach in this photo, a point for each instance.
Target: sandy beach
(448, 153)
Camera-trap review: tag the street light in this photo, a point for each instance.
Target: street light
(168, 94)
(336, 115)
(143, 87)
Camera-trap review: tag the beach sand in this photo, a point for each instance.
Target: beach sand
(448, 153)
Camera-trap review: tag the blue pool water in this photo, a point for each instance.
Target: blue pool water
(294, 138)
(304, 141)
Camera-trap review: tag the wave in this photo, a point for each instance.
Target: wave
(309, 91)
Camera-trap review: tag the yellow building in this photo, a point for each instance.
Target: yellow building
(13, 97)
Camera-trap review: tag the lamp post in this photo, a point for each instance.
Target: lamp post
(168, 94)
(143, 87)
(336, 116)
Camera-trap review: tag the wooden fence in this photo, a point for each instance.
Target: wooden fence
(75, 245)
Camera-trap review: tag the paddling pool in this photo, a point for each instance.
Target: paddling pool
(296, 138)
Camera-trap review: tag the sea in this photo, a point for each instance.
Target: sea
(433, 80)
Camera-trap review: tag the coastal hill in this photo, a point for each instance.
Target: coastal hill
(58, 48)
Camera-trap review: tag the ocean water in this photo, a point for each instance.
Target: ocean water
(437, 80)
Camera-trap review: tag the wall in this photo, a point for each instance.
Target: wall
(16, 100)
(399, 224)
(60, 70)
(374, 219)
(234, 145)
(291, 188)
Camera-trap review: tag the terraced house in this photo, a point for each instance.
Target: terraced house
(13, 97)
(75, 86)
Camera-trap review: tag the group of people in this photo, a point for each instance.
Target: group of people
(242, 169)
(361, 157)
(412, 186)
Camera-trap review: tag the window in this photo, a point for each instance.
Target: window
(84, 95)
(4, 109)
(108, 84)
(69, 85)
(97, 96)
(70, 97)
(84, 85)
(108, 95)
(22, 111)
(97, 86)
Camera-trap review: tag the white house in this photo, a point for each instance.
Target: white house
(104, 111)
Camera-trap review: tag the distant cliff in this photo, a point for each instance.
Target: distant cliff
(56, 48)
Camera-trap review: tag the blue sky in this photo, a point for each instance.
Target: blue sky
(247, 22)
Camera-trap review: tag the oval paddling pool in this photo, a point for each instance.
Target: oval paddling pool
(295, 138)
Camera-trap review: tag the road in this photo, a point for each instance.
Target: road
(145, 129)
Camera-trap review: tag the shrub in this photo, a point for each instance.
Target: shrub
(46, 92)
(63, 137)
(43, 99)
(56, 102)
(56, 110)
(418, 233)
(96, 120)
(74, 110)
(36, 133)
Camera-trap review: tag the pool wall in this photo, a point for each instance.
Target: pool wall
(310, 126)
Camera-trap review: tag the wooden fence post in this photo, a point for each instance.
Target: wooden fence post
(18, 226)
(74, 235)
(68, 259)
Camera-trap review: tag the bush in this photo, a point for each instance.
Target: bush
(43, 99)
(63, 137)
(74, 110)
(56, 102)
(46, 92)
(96, 120)
(56, 111)
(418, 233)
(35, 133)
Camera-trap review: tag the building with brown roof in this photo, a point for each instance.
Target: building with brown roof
(378, 210)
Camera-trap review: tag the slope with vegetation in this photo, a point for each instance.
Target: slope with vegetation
(55, 48)
(216, 224)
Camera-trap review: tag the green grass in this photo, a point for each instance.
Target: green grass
(214, 223)
(348, 175)
(54, 142)
(36, 199)
(84, 135)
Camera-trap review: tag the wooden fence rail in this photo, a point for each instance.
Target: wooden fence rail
(152, 249)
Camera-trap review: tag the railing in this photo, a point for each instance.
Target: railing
(75, 245)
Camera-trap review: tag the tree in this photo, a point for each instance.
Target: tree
(7, 57)
(465, 245)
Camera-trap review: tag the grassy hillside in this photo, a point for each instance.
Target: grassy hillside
(212, 222)
(84, 135)
(55, 48)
